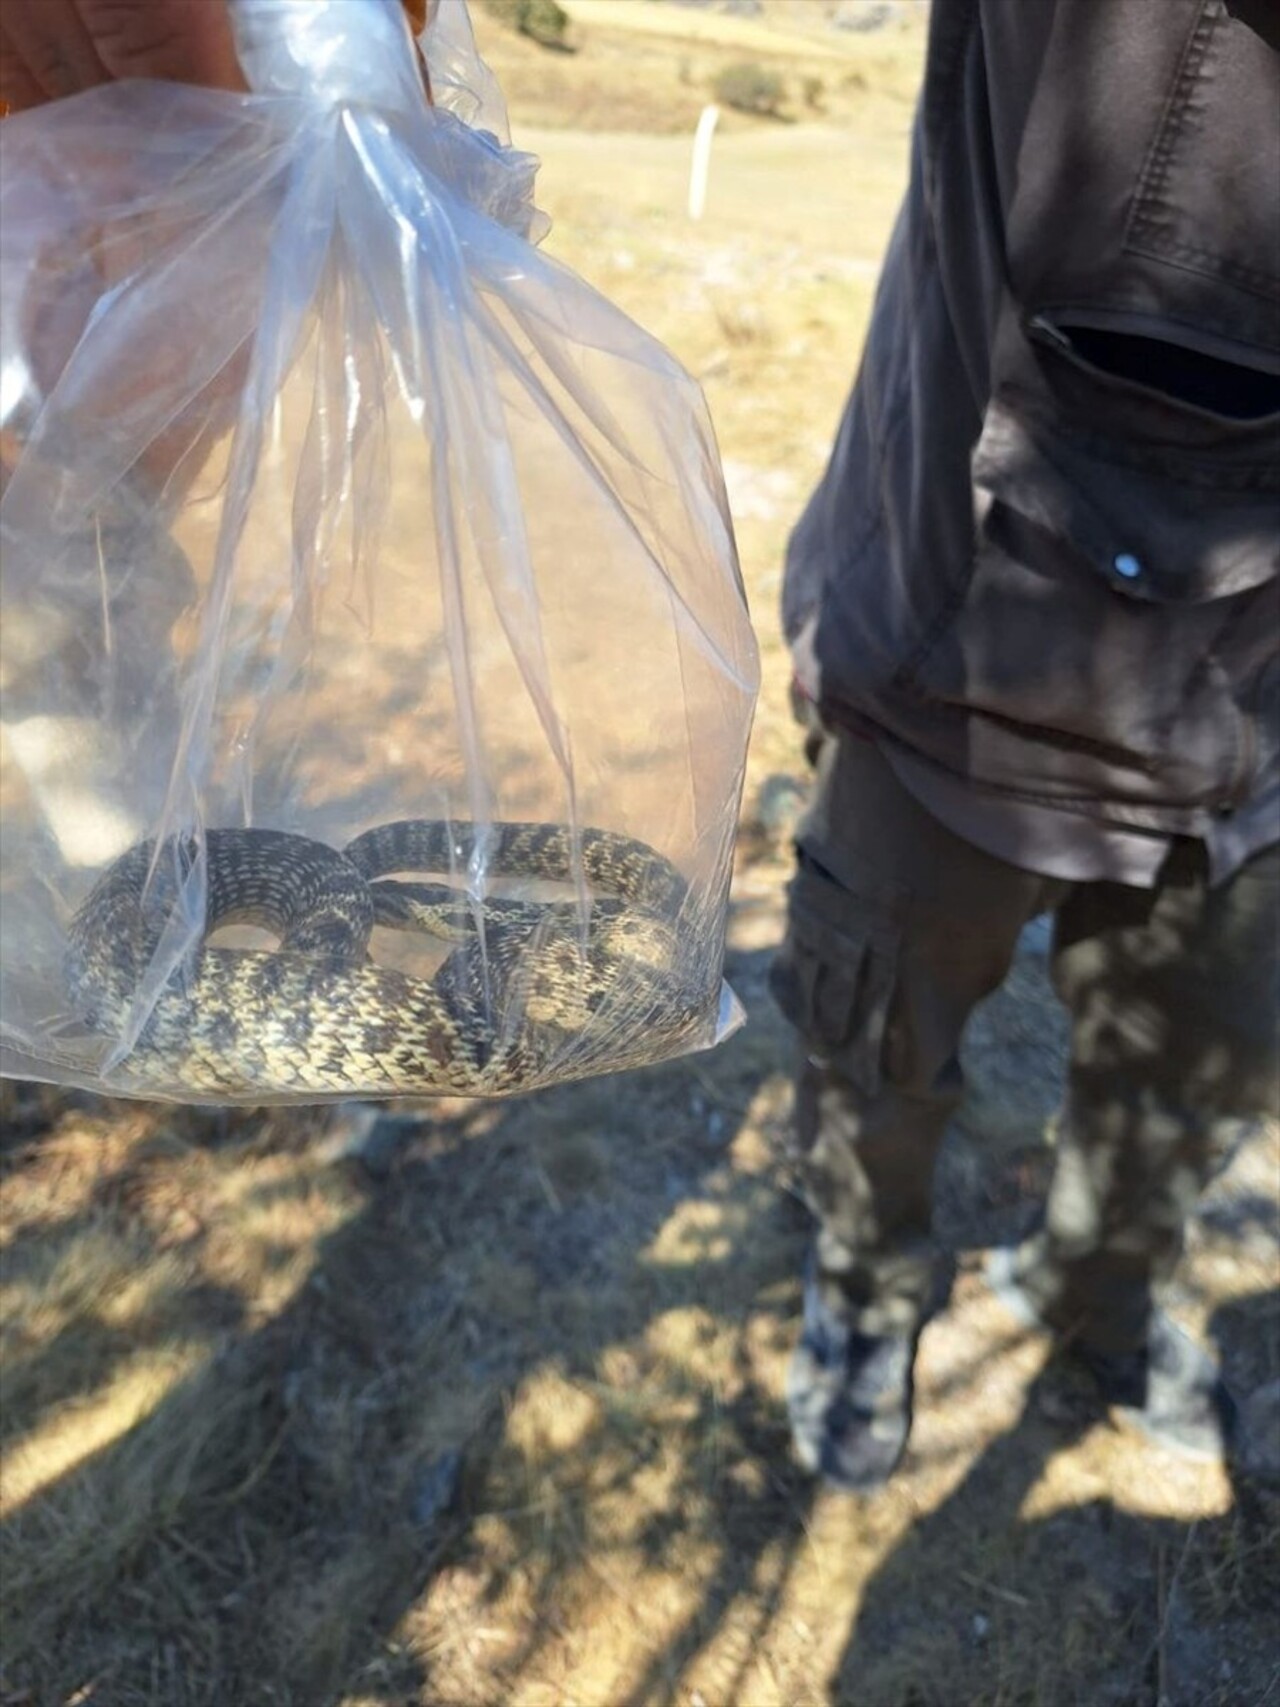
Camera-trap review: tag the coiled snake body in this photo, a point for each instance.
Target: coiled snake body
(525, 994)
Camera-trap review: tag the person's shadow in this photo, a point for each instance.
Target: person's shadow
(1002, 1595)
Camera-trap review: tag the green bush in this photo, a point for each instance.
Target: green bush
(542, 21)
(750, 88)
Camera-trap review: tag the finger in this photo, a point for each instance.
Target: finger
(185, 41)
(18, 88)
(54, 47)
(418, 13)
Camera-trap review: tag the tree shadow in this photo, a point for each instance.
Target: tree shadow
(261, 1530)
(1000, 1594)
(542, 1343)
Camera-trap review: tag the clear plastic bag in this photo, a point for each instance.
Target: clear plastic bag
(376, 671)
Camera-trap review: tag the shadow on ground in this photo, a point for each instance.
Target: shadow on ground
(1141, 1609)
(494, 1414)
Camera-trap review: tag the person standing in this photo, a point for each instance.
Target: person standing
(1033, 611)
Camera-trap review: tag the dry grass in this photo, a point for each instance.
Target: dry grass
(488, 1411)
(638, 67)
(483, 1405)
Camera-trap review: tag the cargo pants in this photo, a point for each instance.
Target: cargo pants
(897, 929)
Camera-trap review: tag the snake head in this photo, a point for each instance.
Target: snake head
(630, 938)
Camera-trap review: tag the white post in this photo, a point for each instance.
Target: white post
(701, 161)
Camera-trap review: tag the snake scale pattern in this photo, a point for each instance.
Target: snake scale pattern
(524, 994)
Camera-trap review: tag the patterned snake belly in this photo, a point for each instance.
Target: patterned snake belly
(525, 994)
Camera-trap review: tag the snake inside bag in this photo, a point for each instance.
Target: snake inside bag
(375, 668)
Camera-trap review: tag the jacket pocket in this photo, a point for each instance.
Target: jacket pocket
(1123, 530)
(835, 974)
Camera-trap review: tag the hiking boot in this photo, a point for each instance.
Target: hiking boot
(848, 1398)
(1170, 1388)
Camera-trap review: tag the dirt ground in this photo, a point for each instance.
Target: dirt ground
(462, 1403)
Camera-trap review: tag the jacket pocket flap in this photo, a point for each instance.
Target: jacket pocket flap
(1151, 535)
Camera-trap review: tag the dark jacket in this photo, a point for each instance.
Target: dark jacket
(1045, 555)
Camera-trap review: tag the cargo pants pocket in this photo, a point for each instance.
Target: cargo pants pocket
(835, 973)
